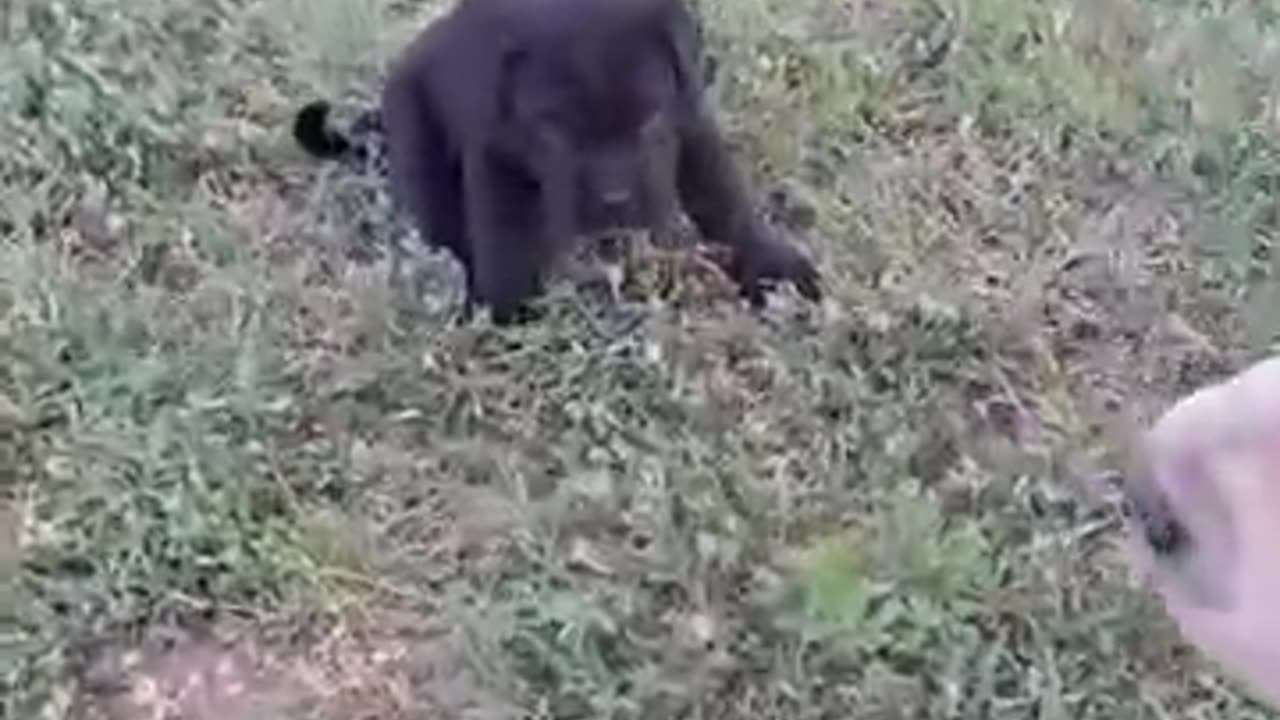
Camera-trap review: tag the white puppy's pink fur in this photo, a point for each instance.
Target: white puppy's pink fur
(1215, 459)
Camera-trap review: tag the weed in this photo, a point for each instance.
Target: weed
(1039, 220)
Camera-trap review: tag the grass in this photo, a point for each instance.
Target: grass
(1040, 222)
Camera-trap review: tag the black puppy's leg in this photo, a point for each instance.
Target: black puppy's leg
(484, 281)
(553, 242)
(715, 196)
(502, 213)
(555, 189)
(660, 158)
(426, 179)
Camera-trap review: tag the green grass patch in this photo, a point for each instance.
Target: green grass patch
(1036, 218)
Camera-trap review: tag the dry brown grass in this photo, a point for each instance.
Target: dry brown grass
(218, 415)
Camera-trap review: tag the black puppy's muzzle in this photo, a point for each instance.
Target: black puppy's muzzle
(612, 212)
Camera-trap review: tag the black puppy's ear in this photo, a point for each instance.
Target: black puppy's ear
(511, 57)
(677, 31)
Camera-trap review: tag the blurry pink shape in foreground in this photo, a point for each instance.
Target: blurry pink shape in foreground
(1211, 467)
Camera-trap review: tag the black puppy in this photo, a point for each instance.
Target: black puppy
(513, 126)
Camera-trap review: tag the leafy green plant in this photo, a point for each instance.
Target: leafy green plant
(893, 591)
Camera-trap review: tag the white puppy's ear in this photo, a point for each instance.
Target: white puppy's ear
(1204, 520)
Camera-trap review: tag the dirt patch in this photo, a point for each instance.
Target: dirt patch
(10, 532)
(349, 669)
(10, 554)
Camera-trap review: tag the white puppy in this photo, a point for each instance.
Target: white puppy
(1203, 515)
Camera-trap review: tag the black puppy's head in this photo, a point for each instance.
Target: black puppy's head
(594, 89)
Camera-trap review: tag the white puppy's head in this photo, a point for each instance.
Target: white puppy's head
(1202, 510)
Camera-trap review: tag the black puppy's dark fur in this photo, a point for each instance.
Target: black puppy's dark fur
(312, 131)
(364, 143)
(513, 125)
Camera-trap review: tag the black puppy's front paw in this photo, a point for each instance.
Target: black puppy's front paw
(509, 291)
(759, 265)
(514, 315)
